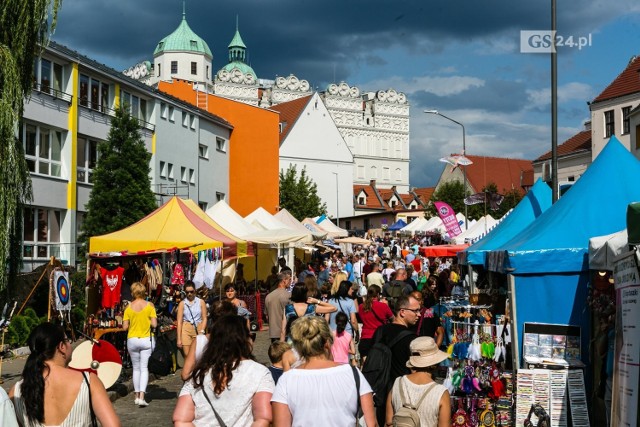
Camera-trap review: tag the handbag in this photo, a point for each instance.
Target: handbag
(218, 417)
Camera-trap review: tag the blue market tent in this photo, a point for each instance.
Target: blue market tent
(397, 225)
(532, 205)
(548, 261)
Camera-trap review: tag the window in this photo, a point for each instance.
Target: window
(163, 110)
(94, 94)
(626, 128)
(219, 196)
(571, 178)
(374, 172)
(386, 174)
(194, 68)
(42, 149)
(399, 149)
(193, 44)
(203, 205)
(137, 106)
(158, 69)
(171, 115)
(183, 174)
(398, 174)
(362, 200)
(163, 170)
(203, 151)
(361, 171)
(185, 119)
(174, 67)
(221, 144)
(207, 76)
(609, 124)
(393, 203)
(170, 170)
(385, 148)
(47, 76)
(192, 177)
(41, 229)
(192, 121)
(87, 159)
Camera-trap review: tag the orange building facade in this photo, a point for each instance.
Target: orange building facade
(253, 148)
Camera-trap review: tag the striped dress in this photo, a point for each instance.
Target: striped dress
(79, 416)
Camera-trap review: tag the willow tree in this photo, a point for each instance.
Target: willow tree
(25, 26)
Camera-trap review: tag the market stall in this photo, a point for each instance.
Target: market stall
(546, 263)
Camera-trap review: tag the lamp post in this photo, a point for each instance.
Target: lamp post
(464, 169)
(337, 201)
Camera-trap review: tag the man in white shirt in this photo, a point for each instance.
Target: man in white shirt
(7, 413)
(358, 265)
(375, 277)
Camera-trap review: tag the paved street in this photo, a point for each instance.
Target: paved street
(162, 394)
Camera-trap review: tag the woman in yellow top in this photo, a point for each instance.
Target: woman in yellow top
(139, 318)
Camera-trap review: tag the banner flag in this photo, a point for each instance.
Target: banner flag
(448, 217)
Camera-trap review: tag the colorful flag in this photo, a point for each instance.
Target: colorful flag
(448, 217)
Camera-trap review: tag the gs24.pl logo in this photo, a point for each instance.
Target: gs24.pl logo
(548, 41)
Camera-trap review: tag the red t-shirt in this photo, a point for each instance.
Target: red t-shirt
(111, 286)
(369, 320)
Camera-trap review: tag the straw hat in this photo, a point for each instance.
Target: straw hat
(425, 352)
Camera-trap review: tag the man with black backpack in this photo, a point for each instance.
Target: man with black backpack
(387, 359)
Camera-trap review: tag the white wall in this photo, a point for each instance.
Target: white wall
(314, 141)
(598, 139)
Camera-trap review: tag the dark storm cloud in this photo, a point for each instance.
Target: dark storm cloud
(312, 39)
(493, 95)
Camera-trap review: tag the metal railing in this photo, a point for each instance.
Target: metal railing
(47, 89)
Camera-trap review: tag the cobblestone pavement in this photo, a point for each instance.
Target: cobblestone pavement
(162, 395)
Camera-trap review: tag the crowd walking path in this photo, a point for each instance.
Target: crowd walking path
(162, 393)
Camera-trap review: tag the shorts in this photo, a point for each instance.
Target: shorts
(189, 333)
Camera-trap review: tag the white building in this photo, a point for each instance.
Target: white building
(309, 139)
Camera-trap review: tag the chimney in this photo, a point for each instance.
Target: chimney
(372, 183)
(587, 125)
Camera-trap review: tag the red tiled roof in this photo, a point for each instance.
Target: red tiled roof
(578, 142)
(407, 199)
(424, 194)
(503, 172)
(372, 201)
(626, 83)
(289, 113)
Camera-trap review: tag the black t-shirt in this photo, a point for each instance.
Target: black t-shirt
(401, 351)
(430, 324)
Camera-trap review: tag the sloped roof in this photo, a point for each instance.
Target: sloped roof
(289, 113)
(627, 82)
(504, 172)
(372, 201)
(424, 194)
(579, 142)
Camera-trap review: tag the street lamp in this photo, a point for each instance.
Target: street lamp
(337, 199)
(464, 169)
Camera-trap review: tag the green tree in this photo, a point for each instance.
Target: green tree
(299, 195)
(121, 192)
(451, 192)
(25, 26)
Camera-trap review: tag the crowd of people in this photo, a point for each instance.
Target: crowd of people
(325, 320)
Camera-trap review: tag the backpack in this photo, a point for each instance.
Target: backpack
(377, 367)
(407, 415)
(160, 361)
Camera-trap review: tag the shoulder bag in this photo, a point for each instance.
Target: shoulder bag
(94, 423)
(218, 417)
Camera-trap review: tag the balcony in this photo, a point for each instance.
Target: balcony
(48, 90)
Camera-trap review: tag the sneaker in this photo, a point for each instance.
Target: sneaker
(142, 403)
(136, 402)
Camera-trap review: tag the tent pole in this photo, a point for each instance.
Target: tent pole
(515, 339)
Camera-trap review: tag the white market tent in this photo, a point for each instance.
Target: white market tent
(230, 220)
(604, 249)
(290, 221)
(475, 230)
(333, 230)
(414, 225)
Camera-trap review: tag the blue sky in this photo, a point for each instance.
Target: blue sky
(462, 58)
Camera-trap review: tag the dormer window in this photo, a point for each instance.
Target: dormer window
(393, 203)
(194, 44)
(160, 45)
(361, 200)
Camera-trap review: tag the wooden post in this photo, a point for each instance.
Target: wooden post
(50, 295)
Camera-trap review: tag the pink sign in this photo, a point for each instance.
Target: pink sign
(448, 217)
